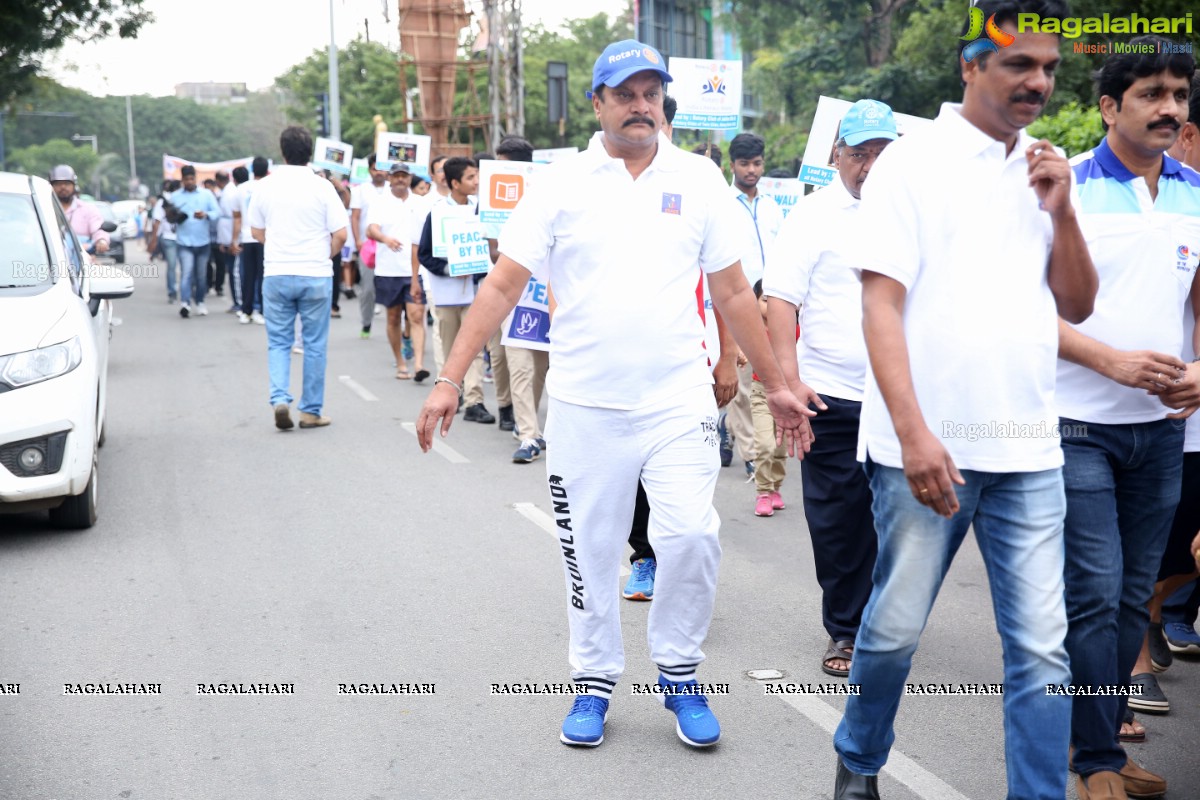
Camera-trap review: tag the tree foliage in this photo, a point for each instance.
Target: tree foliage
(1074, 128)
(28, 30)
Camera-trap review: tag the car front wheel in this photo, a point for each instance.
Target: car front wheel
(79, 511)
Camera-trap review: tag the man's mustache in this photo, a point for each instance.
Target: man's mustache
(1169, 122)
(1030, 97)
(637, 121)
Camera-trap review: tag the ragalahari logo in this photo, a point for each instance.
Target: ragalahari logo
(994, 40)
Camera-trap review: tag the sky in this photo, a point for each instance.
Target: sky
(198, 42)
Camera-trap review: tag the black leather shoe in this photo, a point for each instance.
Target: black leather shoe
(477, 413)
(507, 423)
(852, 786)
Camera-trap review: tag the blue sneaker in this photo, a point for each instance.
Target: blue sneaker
(541, 443)
(406, 348)
(1181, 637)
(695, 722)
(641, 580)
(584, 725)
(527, 453)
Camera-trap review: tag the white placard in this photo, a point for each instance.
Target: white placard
(404, 148)
(553, 154)
(502, 184)
(709, 93)
(441, 215)
(359, 171)
(786, 192)
(528, 324)
(466, 247)
(333, 155)
(816, 167)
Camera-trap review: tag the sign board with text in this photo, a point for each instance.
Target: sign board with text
(786, 192)
(709, 93)
(466, 247)
(405, 148)
(502, 184)
(528, 325)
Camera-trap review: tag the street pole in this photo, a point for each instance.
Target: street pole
(129, 125)
(335, 106)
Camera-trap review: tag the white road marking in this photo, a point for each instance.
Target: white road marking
(543, 520)
(356, 387)
(441, 448)
(919, 780)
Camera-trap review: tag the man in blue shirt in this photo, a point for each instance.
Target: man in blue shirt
(194, 240)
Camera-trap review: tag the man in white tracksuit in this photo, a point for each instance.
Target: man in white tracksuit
(621, 232)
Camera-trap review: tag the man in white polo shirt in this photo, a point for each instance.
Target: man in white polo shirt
(390, 222)
(301, 222)
(810, 268)
(620, 231)
(960, 312)
(1120, 378)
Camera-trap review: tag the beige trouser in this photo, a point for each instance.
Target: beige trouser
(438, 358)
(448, 322)
(737, 417)
(500, 370)
(527, 373)
(771, 465)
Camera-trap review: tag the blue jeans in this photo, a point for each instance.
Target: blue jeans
(1122, 484)
(171, 254)
(1018, 520)
(193, 279)
(285, 297)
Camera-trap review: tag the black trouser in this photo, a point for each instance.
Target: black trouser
(228, 263)
(639, 531)
(837, 505)
(252, 275)
(215, 269)
(337, 280)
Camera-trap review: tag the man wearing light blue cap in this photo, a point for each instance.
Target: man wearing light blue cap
(809, 270)
(622, 232)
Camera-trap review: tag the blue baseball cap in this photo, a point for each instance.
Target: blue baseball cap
(624, 58)
(867, 120)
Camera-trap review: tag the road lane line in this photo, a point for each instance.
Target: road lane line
(358, 388)
(444, 450)
(919, 780)
(543, 520)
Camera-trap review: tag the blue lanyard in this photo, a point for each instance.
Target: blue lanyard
(746, 204)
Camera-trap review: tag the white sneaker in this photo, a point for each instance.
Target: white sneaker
(243, 318)
(184, 310)
(201, 310)
(257, 318)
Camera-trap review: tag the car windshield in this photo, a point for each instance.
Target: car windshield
(23, 258)
(106, 211)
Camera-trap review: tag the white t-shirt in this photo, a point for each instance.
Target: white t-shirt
(166, 230)
(228, 202)
(244, 192)
(394, 218)
(622, 257)
(810, 265)
(1145, 251)
(951, 217)
(758, 224)
(299, 211)
(361, 197)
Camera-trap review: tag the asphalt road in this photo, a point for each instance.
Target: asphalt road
(229, 552)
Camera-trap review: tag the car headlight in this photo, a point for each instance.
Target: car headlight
(44, 363)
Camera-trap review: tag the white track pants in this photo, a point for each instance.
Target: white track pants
(595, 458)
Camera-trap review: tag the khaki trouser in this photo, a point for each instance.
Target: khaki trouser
(527, 375)
(448, 322)
(438, 357)
(737, 417)
(500, 370)
(770, 467)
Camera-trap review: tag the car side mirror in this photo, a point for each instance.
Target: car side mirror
(111, 287)
(108, 227)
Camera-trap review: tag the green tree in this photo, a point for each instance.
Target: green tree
(1074, 128)
(369, 80)
(28, 30)
(39, 158)
(583, 41)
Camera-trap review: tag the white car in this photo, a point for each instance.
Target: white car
(55, 324)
